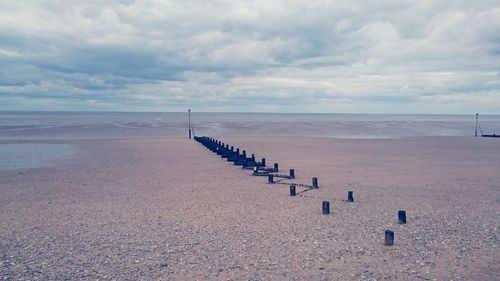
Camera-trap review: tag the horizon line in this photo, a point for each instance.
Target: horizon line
(235, 112)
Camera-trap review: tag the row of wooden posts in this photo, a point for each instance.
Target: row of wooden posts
(260, 169)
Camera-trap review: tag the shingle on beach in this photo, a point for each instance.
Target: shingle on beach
(167, 208)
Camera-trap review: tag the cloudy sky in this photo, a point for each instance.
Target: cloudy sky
(252, 56)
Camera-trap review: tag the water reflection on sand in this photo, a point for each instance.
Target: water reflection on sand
(17, 156)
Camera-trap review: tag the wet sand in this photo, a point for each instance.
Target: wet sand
(170, 209)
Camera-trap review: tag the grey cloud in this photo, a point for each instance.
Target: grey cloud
(253, 55)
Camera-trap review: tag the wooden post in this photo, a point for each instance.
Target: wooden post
(264, 162)
(326, 207)
(292, 173)
(315, 182)
(276, 167)
(350, 197)
(401, 217)
(292, 190)
(389, 237)
(270, 179)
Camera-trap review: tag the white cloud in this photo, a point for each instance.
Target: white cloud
(330, 56)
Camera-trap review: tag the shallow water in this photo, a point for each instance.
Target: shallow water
(20, 156)
(77, 125)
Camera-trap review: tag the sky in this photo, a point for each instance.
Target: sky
(251, 56)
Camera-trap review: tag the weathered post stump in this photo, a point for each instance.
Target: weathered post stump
(315, 182)
(389, 237)
(350, 197)
(326, 207)
(270, 179)
(401, 217)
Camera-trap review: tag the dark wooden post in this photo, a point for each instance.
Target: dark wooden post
(292, 173)
(326, 207)
(270, 179)
(350, 197)
(292, 190)
(315, 182)
(276, 167)
(389, 237)
(401, 217)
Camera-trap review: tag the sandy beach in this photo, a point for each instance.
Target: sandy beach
(169, 209)
(387, 113)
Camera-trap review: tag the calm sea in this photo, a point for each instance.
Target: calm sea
(75, 125)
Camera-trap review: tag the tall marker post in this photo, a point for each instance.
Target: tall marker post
(189, 122)
(477, 117)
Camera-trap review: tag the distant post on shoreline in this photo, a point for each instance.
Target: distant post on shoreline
(189, 122)
(477, 118)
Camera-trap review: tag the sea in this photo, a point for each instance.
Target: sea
(81, 125)
(36, 139)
